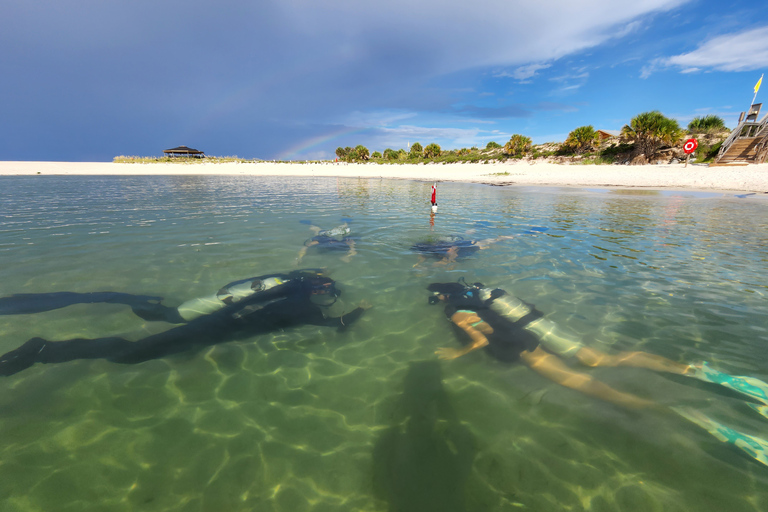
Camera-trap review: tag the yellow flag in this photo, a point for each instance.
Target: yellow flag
(757, 85)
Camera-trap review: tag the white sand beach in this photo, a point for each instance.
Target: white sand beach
(745, 178)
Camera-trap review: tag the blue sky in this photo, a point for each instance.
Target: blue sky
(86, 80)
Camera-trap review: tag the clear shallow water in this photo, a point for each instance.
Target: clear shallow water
(368, 419)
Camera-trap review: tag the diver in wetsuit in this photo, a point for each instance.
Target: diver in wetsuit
(335, 239)
(305, 298)
(513, 330)
(148, 307)
(448, 249)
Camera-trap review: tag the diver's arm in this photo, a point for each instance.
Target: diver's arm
(465, 320)
(345, 320)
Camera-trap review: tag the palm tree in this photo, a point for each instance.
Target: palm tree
(518, 145)
(342, 152)
(650, 131)
(432, 151)
(390, 154)
(361, 152)
(707, 124)
(582, 139)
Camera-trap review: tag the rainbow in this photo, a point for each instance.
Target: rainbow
(238, 99)
(294, 151)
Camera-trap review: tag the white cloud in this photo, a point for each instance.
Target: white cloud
(523, 73)
(743, 51)
(451, 35)
(286, 63)
(376, 118)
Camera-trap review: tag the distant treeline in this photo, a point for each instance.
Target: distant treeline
(642, 140)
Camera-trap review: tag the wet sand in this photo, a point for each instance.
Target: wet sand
(743, 178)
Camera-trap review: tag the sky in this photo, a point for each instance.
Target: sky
(88, 80)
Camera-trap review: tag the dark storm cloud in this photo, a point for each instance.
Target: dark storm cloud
(102, 78)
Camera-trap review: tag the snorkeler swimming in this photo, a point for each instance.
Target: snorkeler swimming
(305, 298)
(510, 330)
(450, 248)
(335, 239)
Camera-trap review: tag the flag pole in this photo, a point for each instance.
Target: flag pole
(757, 88)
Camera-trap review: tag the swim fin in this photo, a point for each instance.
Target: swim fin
(749, 386)
(755, 447)
(760, 409)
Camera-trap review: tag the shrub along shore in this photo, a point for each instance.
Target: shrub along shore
(649, 138)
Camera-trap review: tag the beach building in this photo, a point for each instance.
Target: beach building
(183, 151)
(607, 134)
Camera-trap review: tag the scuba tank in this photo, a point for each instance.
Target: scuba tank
(229, 294)
(514, 309)
(338, 231)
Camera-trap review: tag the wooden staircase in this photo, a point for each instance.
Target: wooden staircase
(742, 150)
(748, 142)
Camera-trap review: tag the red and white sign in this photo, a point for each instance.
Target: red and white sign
(690, 146)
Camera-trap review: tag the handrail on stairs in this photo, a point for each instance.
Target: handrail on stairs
(758, 127)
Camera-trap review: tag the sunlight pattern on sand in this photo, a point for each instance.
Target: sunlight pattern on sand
(368, 419)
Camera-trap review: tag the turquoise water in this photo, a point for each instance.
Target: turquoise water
(311, 419)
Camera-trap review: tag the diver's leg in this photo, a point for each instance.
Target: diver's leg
(303, 250)
(351, 252)
(551, 367)
(450, 256)
(484, 244)
(591, 357)
(38, 350)
(25, 303)
(156, 312)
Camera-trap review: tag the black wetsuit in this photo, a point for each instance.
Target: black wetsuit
(26, 303)
(283, 306)
(440, 248)
(329, 243)
(509, 338)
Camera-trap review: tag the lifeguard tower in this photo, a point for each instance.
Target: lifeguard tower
(748, 142)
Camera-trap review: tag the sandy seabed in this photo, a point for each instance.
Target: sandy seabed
(743, 178)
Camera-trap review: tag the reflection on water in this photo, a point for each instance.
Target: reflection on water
(367, 419)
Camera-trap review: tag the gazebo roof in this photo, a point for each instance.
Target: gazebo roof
(183, 149)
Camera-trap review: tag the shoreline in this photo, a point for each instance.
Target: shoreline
(751, 178)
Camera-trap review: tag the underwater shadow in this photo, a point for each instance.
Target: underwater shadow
(422, 462)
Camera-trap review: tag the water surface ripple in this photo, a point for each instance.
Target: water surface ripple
(311, 419)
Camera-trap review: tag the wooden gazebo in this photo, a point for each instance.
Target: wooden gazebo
(183, 151)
